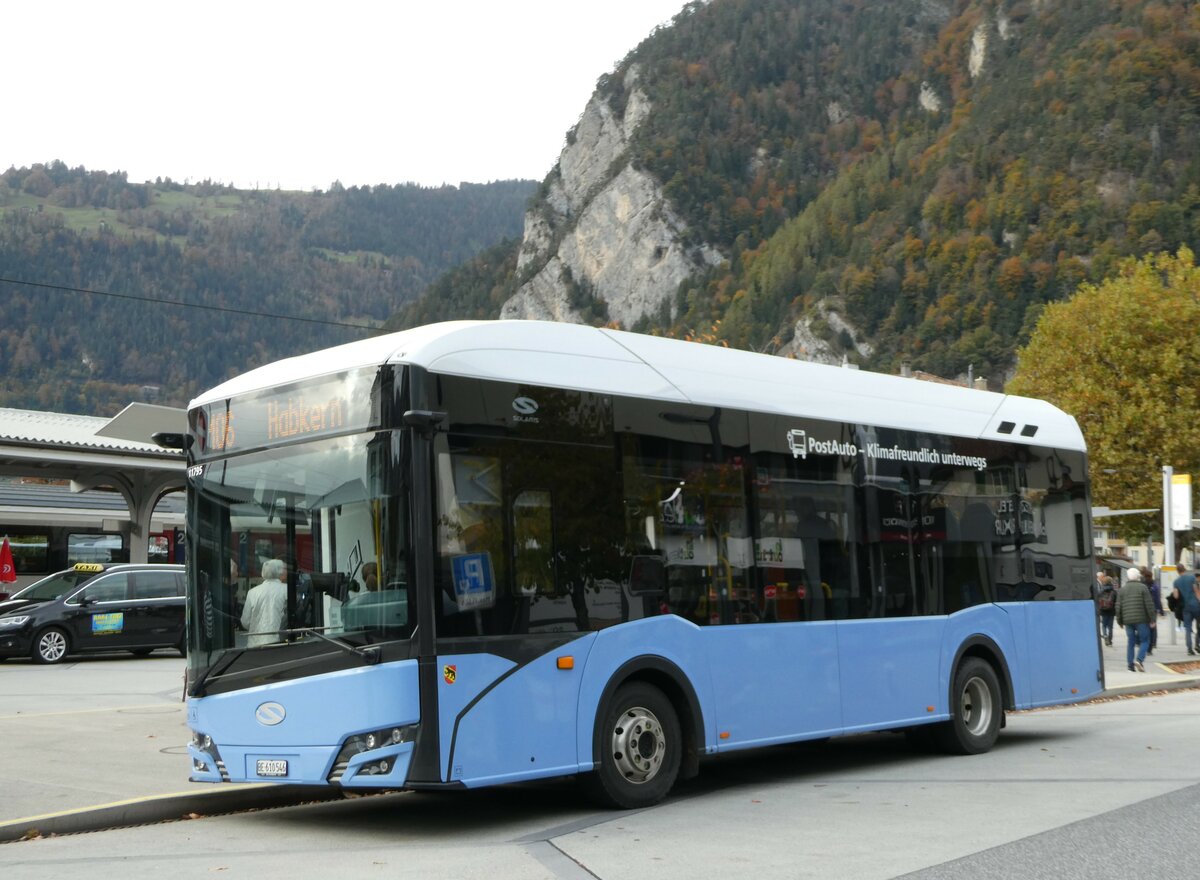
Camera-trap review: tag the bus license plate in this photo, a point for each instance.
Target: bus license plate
(271, 767)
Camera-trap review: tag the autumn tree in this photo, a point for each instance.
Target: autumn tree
(1120, 356)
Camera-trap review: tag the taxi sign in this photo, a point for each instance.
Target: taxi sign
(88, 566)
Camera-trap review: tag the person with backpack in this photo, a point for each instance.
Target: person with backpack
(1106, 602)
(1135, 612)
(1187, 597)
(1175, 606)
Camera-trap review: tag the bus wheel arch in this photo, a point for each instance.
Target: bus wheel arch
(641, 682)
(986, 649)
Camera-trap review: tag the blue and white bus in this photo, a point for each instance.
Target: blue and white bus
(515, 550)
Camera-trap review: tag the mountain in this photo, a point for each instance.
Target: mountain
(339, 262)
(904, 182)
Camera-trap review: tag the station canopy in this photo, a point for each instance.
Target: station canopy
(95, 452)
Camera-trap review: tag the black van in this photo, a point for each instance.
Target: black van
(95, 607)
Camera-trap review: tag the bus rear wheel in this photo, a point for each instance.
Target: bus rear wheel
(640, 748)
(976, 710)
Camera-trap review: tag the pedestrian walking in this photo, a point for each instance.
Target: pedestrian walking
(1135, 612)
(1187, 595)
(1155, 596)
(1106, 603)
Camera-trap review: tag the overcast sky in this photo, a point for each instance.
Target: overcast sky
(298, 94)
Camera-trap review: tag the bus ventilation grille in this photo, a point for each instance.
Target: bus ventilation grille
(339, 768)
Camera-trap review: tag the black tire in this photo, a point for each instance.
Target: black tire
(976, 710)
(640, 747)
(51, 645)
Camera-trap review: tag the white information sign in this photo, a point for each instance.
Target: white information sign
(1181, 502)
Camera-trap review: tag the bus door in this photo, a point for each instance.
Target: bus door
(527, 564)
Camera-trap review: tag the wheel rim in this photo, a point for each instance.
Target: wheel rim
(977, 708)
(638, 745)
(52, 646)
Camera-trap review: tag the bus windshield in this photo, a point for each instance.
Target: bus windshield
(299, 544)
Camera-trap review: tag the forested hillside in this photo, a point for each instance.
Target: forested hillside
(1065, 140)
(905, 181)
(337, 258)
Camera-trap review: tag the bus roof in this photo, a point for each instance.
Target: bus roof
(617, 362)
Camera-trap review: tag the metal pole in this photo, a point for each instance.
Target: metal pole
(1166, 579)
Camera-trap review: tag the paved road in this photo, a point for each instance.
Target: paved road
(91, 731)
(1044, 802)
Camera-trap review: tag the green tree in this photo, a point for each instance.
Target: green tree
(1120, 357)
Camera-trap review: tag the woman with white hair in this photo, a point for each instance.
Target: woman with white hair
(266, 603)
(1135, 612)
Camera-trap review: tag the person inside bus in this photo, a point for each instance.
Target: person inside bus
(370, 577)
(370, 580)
(266, 603)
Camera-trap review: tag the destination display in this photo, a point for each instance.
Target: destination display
(345, 403)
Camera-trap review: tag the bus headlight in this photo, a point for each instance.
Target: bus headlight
(376, 739)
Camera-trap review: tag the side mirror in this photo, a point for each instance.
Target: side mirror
(172, 440)
(424, 420)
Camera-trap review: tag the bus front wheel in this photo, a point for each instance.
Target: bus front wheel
(640, 748)
(976, 710)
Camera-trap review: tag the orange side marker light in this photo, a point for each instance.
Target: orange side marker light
(566, 662)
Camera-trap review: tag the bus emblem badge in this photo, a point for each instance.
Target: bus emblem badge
(270, 714)
(450, 673)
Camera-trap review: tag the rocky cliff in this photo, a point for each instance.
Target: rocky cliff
(603, 238)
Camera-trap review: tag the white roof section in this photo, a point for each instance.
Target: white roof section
(617, 362)
(70, 431)
(140, 421)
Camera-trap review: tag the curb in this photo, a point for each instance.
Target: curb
(165, 807)
(1150, 687)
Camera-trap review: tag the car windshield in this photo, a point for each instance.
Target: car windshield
(298, 544)
(55, 586)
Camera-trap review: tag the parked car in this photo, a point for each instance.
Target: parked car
(95, 607)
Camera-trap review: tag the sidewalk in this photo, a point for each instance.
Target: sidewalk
(1165, 668)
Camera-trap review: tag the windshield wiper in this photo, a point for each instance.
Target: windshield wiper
(369, 653)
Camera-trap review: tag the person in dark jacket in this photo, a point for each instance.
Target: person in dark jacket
(1187, 599)
(1135, 612)
(1106, 602)
(1156, 596)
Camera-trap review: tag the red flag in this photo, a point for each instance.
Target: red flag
(8, 571)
